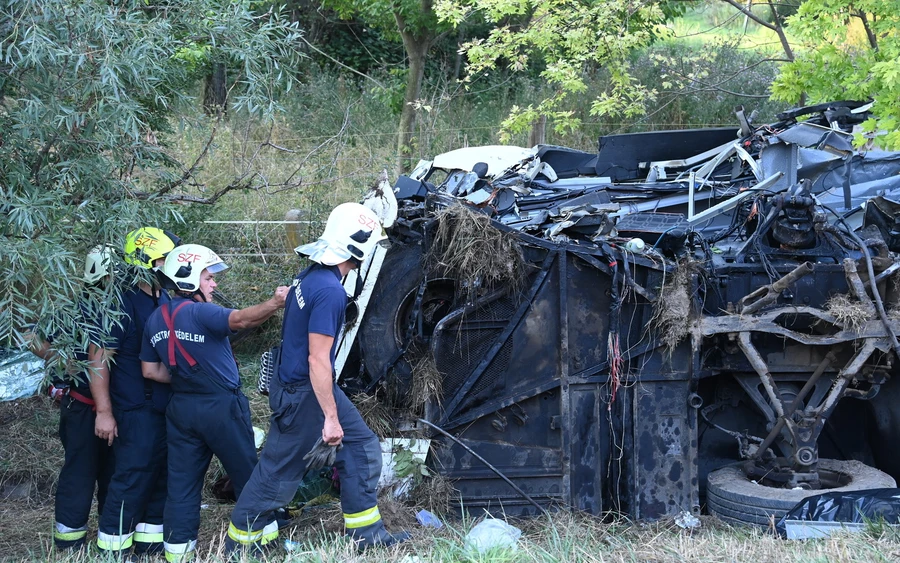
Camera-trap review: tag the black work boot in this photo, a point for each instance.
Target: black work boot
(376, 535)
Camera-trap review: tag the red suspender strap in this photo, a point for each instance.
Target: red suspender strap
(82, 399)
(173, 340)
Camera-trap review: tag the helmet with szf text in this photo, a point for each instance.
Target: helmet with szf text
(185, 263)
(351, 233)
(146, 245)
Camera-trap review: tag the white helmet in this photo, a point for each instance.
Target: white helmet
(98, 263)
(185, 263)
(351, 233)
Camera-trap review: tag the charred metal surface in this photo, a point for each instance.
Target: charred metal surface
(680, 313)
(665, 430)
(533, 370)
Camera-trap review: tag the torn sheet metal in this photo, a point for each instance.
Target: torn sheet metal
(545, 177)
(499, 158)
(684, 302)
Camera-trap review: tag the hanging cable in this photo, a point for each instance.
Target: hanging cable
(879, 304)
(484, 461)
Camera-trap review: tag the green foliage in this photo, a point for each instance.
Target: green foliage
(406, 465)
(569, 39)
(708, 83)
(361, 47)
(88, 90)
(848, 52)
(392, 90)
(416, 16)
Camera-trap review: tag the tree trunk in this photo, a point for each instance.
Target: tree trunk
(460, 39)
(538, 134)
(873, 39)
(779, 30)
(216, 91)
(416, 49)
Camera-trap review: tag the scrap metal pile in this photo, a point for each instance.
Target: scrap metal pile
(675, 320)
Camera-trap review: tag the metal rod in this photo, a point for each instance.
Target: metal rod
(692, 181)
(769, 293)
(732, 202)
(856, 286)
(810, 383)
(762, 370)
(484, 461)
(847, 374)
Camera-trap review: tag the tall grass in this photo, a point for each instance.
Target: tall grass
(338, 133)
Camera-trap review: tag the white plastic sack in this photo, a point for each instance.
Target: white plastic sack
(21, 374)
(490, 534)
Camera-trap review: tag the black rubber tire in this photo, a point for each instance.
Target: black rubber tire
(735, 499)
(401, 273)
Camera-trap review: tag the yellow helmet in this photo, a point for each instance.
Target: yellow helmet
(146, 245)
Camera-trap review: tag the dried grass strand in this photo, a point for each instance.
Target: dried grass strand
(851, 314)
(674, 311)
(480, 256)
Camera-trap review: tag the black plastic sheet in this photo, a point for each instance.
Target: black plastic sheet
(851, 507)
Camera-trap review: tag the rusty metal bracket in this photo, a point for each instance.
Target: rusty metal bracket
(805, 430)
(829, 359)
(765, 322)
(768, 294)
(856, 286)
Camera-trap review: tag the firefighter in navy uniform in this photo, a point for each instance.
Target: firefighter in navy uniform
(88, 459)
(307, 405)
(132, 515)
(186, 342)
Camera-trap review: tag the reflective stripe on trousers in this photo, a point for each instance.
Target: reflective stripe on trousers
(179, 552)
(148, 533)
(362, 519)
(61, 532)
(268, 534)
(114, 542)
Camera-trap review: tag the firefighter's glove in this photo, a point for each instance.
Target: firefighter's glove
(321, 455)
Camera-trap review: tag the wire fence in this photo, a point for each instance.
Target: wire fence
(260, 257)
(322, 172)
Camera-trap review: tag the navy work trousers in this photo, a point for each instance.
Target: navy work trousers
(133, 511)
(295, 425)
(88, 463)
(200, 425)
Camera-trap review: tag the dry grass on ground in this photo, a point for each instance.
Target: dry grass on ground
(30, 454)
(564, 537)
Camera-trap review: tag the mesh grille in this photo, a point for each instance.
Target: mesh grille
(460, 348)
(497, 368)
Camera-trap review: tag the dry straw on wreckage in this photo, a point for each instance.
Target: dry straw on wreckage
(675, 309)
(477, 254)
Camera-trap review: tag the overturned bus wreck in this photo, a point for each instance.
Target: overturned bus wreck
(680, 320)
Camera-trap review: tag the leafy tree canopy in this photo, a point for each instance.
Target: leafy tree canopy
(849, 51)
(88, 92)
(569, 37)
(391, 18)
